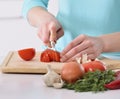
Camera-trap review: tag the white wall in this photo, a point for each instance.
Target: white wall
(15, 32)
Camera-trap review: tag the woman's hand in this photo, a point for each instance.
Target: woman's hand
(49, 25)
(46, 24)
(83, 44)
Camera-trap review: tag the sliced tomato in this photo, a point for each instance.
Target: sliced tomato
(54, 56)
(57, 56)
(93, 65)
(44, 57)
(27, 54)
(49, 55)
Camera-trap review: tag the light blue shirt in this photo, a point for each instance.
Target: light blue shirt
(90, 17)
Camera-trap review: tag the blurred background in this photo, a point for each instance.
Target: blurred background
(15, 31)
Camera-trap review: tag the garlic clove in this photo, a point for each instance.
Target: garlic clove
(47, 80)
(58, 85)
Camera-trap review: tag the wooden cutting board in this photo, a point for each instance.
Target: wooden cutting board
(14, 64)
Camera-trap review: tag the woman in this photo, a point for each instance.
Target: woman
(81, 26)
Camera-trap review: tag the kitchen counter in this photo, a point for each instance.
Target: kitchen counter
(31, 86)
(14, 31)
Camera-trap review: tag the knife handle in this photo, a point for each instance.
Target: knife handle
(53, 36)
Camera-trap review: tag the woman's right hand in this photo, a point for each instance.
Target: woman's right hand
(46, 24)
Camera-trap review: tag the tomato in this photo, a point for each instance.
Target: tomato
(27, 54)
(93, 65)
(44, 57)
(50, 55)
(71, 72)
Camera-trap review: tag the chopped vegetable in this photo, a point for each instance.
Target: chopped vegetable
(92, 81)
(50, 55)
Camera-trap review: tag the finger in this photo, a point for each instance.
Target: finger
(85, 51)
(53, 31)
(43, 33)
(74, 51)
(60, 33)
(53, 34)
(74, 43)
(92, 57)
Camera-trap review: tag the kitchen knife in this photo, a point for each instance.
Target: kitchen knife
(52, 40)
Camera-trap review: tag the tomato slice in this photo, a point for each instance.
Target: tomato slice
(57, 56)
(27, 54)
(45, 57)
(93, 65)
(49, 55)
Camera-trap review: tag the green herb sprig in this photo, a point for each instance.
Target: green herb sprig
(92, 81)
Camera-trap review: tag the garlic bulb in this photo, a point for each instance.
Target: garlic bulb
(52, 79)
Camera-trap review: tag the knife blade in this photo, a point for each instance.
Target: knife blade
(52, 45)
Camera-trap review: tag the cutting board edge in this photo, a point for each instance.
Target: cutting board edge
(7, 59)
(26, 70)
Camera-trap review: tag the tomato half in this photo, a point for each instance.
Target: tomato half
(93, 65)
(27, 54)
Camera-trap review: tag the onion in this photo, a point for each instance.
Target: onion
(71, 72)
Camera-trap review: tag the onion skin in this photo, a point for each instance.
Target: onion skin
(71, 72)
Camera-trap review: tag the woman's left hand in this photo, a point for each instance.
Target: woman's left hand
(83, 44)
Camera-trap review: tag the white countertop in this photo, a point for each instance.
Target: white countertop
(31, 86)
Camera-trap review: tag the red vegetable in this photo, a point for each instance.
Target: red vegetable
(117, 74)
(113, 85)
(50, 55)
(27, 54)
(71, 72)
(93, 65)
(116, 83)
